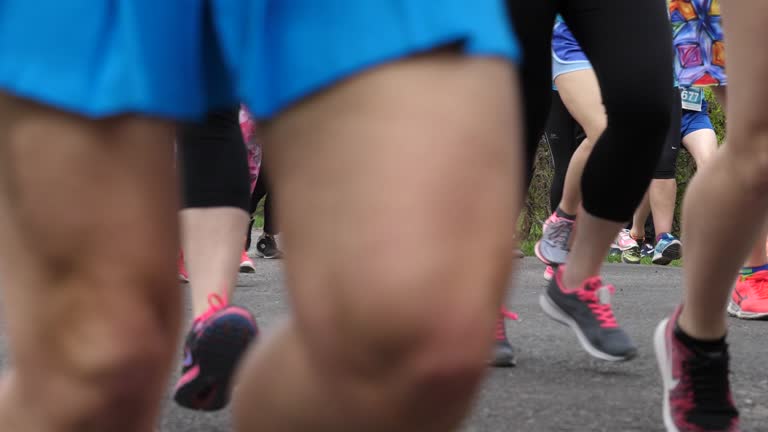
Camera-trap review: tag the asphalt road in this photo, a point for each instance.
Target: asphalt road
(556, 386)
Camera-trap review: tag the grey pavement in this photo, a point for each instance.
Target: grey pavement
(556, 386)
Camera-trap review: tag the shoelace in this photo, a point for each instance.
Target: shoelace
(598, 298)
(708, 377)
(216, 302)
(759, 286)
(501, 330)
(559, 231)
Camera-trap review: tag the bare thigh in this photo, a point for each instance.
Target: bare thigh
(580, 92)
(89, 233)
(748, 88)
(398, 192)
(702, 145)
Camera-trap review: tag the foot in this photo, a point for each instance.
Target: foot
(553, 246)
(696, 389)
(503, 353)
(183, 275)
(668, 248)
(646, 250)
(549, 272)
(267, 247)
(246, 265)
(749, 299)
(630, 250)
(587, 311)
(213, 348)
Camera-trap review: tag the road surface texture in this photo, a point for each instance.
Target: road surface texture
(556, 386)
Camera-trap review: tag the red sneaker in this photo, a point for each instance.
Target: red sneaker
(246, 265)
(749, 299)
(183, 275)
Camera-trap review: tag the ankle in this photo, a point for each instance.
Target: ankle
(640, 238)
(560, 212)
(572, 279)
(712, 331)
(748, 270)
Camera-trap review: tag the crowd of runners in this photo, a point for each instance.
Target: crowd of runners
(340, 117)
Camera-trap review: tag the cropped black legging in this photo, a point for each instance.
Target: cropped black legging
(214, 162)
(263, 189)
(630, 47)
(562, 136)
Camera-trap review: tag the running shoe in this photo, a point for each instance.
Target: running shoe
(553, 246)
(183, 275)
(647, 250)
(214, 346)
(630, 250)
(587, 311)
(668, 248)
(246, 265)
(267, 247)
(548, 273)
(503, 353)
(696, 388)
(749, 299)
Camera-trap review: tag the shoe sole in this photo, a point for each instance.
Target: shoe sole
(662, 356)
(631, 259)
(276, 256)
(540, 256)
(206, 387)
(735, 310)
(671, 253)
(503, 361)
(548, 276)
(247, 268)
(557, 314)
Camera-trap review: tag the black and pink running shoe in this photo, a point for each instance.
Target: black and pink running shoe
(213, 349)
(697, 393)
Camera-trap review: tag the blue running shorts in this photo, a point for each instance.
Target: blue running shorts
(693, 121)
(182, 58)
(567, 55)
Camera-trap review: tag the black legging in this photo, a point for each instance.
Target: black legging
(562, 136)
(214, 162)
(630, 49)
(263, 188)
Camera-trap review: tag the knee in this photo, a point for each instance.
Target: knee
(415, 328)
(750, 163)
(642, 110)
(111, 377)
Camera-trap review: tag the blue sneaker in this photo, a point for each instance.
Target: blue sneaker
(668, 248)
(647, 250)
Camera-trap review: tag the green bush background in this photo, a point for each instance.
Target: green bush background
(536, 208)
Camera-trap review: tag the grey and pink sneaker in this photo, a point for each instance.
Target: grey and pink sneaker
(552, 249)
(549, 273)
(214, 347)
(696, 394)
(587, 311)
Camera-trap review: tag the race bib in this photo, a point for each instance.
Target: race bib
(692, 98)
